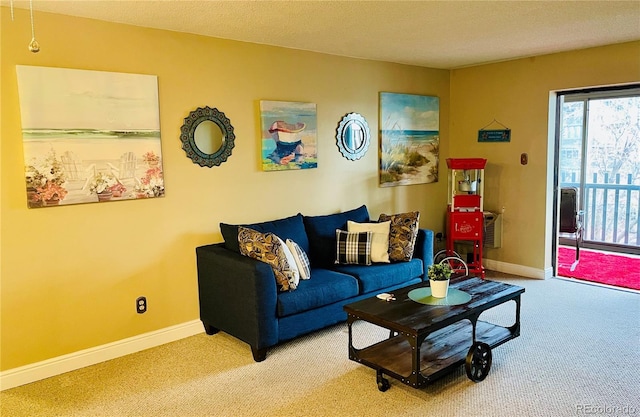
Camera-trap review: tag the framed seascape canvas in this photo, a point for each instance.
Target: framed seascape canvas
(89, 136)
(409, 139)
(289, 135)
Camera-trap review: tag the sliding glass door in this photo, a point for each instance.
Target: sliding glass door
(599, 155)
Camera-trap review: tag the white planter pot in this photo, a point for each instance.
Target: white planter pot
(439, 289)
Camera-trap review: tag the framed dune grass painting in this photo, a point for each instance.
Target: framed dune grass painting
(289, 135)
(409, 139)
(89, 136)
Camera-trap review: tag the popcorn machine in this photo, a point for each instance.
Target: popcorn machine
(465, 218)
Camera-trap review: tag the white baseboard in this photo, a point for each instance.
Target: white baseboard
(55, 366)
(524, 271)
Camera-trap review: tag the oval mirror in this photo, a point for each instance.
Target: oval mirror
(353, 136)
(207, 136)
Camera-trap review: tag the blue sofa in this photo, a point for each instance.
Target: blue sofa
(239, 295)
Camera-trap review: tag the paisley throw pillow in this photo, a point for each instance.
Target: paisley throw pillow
(402, 234)
(266, 247)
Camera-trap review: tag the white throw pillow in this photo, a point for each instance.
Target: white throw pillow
(379, 241)
(293, 266)
(302, 260)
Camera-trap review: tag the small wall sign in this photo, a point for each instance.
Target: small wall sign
(499, 135)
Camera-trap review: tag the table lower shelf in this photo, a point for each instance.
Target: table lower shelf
(440, 352)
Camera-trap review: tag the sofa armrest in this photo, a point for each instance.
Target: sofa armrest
(424, 248)
(237, 295)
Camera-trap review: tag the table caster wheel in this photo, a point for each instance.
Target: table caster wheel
(383, 383)
(478, 361)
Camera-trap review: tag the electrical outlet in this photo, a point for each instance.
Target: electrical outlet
(141, 305)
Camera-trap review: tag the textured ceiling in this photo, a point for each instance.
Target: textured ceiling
(436, 34)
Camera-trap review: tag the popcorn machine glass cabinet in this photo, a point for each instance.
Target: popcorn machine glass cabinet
(466, 187)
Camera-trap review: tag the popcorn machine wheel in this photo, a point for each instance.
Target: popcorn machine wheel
(465, 218)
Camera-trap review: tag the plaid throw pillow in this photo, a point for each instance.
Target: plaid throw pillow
(301, 258)
(353, 247)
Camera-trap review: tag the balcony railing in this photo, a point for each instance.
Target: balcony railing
(610, 209)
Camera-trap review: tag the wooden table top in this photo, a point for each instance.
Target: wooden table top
(408, 316)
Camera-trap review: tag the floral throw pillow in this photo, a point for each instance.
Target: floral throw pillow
(402, 234)
(266, 247)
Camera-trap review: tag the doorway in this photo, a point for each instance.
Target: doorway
(598, 155)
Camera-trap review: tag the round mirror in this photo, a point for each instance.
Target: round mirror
(207, 136)
(353, 136)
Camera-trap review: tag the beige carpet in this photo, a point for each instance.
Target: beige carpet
(578, 354)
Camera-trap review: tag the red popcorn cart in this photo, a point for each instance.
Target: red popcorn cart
(465, 218)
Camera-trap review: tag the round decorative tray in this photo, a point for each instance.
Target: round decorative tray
(454, 297)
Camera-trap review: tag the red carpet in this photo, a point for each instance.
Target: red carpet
(603, 268)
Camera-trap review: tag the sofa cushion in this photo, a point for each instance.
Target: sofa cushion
(326, 287)
(379, 276)
(321, 232)
(286, 228)
(402, 234)
(266, 247)
(353, 247)
(379, 239)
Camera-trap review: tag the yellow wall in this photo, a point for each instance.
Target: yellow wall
(71, 274)
(517, 94)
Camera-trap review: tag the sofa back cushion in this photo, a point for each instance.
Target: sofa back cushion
(286, 228)
(321, 232)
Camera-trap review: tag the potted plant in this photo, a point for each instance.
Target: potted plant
(118, 189)
(45, 181)
(151, 185)
(439, 275)
(101, 184)
(151, 159)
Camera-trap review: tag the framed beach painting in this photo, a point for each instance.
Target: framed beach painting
(89, 136)
(409, 139)
(289, 135)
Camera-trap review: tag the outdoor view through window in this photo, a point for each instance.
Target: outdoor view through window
(600, 157)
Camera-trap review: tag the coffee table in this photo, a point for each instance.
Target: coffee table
(430, 337)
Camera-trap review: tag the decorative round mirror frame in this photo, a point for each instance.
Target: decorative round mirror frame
(187, 136)
(347, 150)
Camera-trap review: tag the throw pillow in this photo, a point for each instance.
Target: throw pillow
(267, 248)
(291, 261)
(301, 258)
(353, 247)
(379, 240)
(402, 234)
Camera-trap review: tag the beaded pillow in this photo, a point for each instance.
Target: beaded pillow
(266, 247)
(402, 234)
